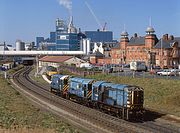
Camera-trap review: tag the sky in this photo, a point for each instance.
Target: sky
(27, 19)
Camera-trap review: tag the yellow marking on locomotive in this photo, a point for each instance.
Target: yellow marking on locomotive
(65, 87)
(89, 94)
(132, 97)
(92, 82)
(50, 73)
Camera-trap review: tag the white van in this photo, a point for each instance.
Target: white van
(86, 65)
(138, 66)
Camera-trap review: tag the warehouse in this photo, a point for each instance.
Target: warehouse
(57, 60)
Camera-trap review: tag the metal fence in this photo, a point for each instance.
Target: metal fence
(78, 71)
(134, 74)
(126, 72)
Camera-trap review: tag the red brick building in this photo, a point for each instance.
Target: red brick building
(95, 57)
(168, 51)
(136, 48)
(99, 58)
(164, 52)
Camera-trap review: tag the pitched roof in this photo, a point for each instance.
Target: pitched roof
(137, 41)
(116, 46)
(167, 43)
(56, 59)
(97, 54)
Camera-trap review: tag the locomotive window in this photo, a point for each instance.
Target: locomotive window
(137, 97)
(80, 85)
(89, 87)
(66, 81)
(96, 90)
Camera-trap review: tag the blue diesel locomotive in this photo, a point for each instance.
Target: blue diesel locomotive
(124, 101)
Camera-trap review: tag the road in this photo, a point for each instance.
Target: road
(129, 73)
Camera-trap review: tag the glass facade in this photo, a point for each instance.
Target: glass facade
(52, 36)
(60, 40)
(39, 40)
(100, 36)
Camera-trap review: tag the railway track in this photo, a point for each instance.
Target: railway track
(87, 118)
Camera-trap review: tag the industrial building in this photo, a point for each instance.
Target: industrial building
(25, 46)
(65, 38)
(4, 47)
(55, 61)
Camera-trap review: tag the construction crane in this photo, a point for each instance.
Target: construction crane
(93, 14)
(104, 27)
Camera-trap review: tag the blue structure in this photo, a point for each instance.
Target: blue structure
(65, 38)
(67, 41)
(52, 36)
(100, 36)
(59, 84)
(39, 40)
(110, 93)
(81, 87)
(96, 90)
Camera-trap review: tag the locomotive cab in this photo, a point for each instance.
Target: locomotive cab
(135, 101)
(60, 84)
(80, 89)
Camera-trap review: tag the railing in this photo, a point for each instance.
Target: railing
(78, 71)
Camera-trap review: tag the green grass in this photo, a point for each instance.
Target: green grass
(16, 113)
(159, 94)
(11, 71)
(37, 78)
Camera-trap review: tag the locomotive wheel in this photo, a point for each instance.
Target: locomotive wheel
(50, 89)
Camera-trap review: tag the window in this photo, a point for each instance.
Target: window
(144, 49)
(165, 53)
(132, 49)
(138, 49)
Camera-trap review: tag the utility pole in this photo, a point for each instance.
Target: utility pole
(161, 63)
(37, 65)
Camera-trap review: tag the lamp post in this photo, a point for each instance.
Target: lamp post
(4, 51)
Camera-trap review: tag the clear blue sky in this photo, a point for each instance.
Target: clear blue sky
(26, 19)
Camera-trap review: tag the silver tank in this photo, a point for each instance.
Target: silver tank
(20, 46)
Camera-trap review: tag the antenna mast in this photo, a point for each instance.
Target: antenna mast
(150, 23)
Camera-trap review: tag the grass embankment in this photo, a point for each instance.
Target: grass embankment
(18, 115)
(159, 94)
(37, 78)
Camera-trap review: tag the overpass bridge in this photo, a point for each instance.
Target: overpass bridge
(29, 57)
(35, 53)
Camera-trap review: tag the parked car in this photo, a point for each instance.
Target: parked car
(86, 65)
(156, 69)
(168, 72)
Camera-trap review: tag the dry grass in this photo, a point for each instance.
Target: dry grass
(25, 130)
(18, 115)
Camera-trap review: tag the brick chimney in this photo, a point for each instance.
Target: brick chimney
(171, 37)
